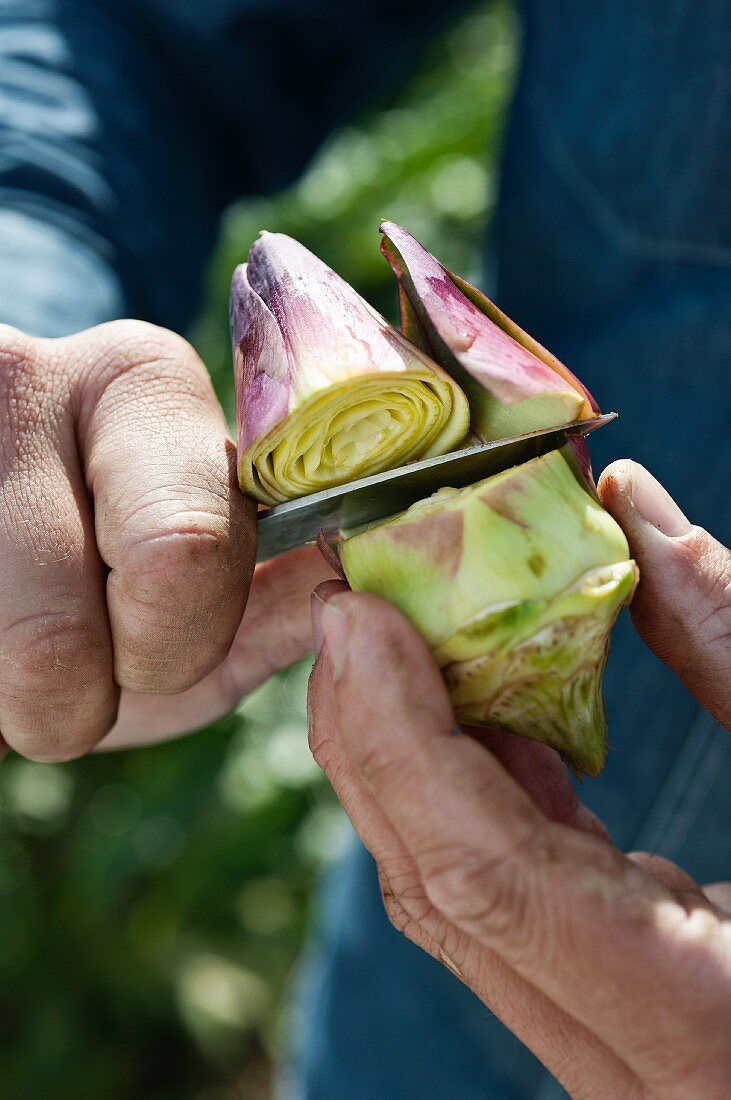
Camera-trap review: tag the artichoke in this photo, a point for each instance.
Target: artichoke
(327, 391)
(515, 583)
(513, 384)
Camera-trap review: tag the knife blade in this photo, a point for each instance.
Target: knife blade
(372, 499)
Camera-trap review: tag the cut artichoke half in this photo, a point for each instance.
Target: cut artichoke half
(326, 389)
(514, 583)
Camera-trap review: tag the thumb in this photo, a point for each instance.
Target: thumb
(682, 609)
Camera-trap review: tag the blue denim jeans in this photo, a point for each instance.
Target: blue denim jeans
(124, 130)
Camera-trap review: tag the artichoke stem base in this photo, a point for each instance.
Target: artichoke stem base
(548, 689)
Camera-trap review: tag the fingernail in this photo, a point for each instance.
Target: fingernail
(318, 601)
(318, 634)
(655, 505)
(336, 629)
(329, 624)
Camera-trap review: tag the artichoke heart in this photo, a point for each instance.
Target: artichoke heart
(353, 429)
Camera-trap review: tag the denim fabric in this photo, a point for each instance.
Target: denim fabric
(109, 197)
(124, 130)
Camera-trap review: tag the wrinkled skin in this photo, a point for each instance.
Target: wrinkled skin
(615, 970)
(127, 549)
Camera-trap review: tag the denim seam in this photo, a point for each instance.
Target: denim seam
(680, 800)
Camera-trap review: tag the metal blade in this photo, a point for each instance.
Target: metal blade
(372, 499)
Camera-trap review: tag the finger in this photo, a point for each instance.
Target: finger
(671, 876)
(366, 816)
(274, 632)
(57, 695)
(542, 774)
(566, 911)
(682, 608)
(171, 524)
(719, 893)
(576, 1057)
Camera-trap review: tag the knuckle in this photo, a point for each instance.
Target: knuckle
(131, 375)
(164, 565)
(17, 379)
(688, 1069)
(463, 886)
(16, 349)
(401, 916)
(35, 397)
(379, 765)
(131, 334)
(397, 915)
(143, 350)
(703, 559)
(402, 888)
(327, 756)
(175, 602)
(701, 934)
(186, 513)
(398, 918)
(46, 645)
(133, 340)
(488, 895)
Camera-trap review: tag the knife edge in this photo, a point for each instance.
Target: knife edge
(359, 503)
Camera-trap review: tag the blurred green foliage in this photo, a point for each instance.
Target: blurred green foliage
(426, 161)
(152, 903)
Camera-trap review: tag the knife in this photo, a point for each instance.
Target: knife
(357, 504)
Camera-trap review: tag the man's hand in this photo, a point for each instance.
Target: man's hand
(127, 549)
(614, 970)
